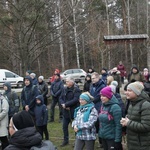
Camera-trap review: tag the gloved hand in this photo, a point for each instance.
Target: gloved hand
(118, 146)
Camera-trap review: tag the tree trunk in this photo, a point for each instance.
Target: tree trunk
(75, 33)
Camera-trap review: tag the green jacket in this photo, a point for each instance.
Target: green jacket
(138, 128)
(110, 127)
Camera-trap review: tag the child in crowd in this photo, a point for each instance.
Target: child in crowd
(41, 116)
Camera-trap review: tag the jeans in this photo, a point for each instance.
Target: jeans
(55, 100)
(66, 122)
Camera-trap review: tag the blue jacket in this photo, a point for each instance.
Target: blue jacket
(104, 77)
(95, 92)
(34, 81)
(40, 112)
(29, 94)
(110, 127)
(56, 88)
(70, 97)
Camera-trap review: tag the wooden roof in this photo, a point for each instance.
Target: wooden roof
(127, 38)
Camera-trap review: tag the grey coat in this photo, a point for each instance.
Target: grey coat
(4, 108)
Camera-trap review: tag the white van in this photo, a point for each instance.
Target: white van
(8, 76)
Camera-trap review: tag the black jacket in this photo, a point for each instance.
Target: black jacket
(70, 97)
(24, 139)
(56, 88)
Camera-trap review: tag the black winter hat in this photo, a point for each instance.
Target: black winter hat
(22, 120)
(104, 69)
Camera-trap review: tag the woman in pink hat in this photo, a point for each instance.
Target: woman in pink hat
(110, 130)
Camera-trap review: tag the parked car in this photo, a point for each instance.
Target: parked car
(78, 74)
(8, 76)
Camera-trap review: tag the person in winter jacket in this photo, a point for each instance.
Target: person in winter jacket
(96, 87)
(104, 75)
(41, 116)
(110, 129)
(146, 74)
(69, 100)
(55, 90)
(23, 133)
(118, 96)
(12, 99)
(135, 75)
(34, 79)
(85, 117)
(137, 120)
(109, 79)
(122, 70)
(52, 79)
(29, 94)
(87, 83)
(4, 108)
(116, 75)
(90, 71)
(147, 87)
(43, 88)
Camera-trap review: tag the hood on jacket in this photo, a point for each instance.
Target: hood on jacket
(113, 100)
(8, 86)
(134, 67)
(40, 97)
(26, 138)
(30, 79)
(142, 96)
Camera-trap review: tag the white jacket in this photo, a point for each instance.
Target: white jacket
(4, 108)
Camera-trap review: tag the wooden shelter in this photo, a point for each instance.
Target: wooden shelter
(111, 39)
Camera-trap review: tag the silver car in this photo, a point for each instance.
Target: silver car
(78, 74)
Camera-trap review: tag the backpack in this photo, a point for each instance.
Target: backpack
(46, 145)
(110, 117)
(11, 102)
(107, 112)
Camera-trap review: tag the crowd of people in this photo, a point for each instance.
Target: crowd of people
(96, 112)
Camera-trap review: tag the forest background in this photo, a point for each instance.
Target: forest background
(42, 35)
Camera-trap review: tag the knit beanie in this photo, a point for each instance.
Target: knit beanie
(136, 87)
(85, 97)
(22, 120)
(106, 91)
(29, 71)
(33, 75)
(115, 83)
(41, 77)
(113, 88)
(145, 69)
